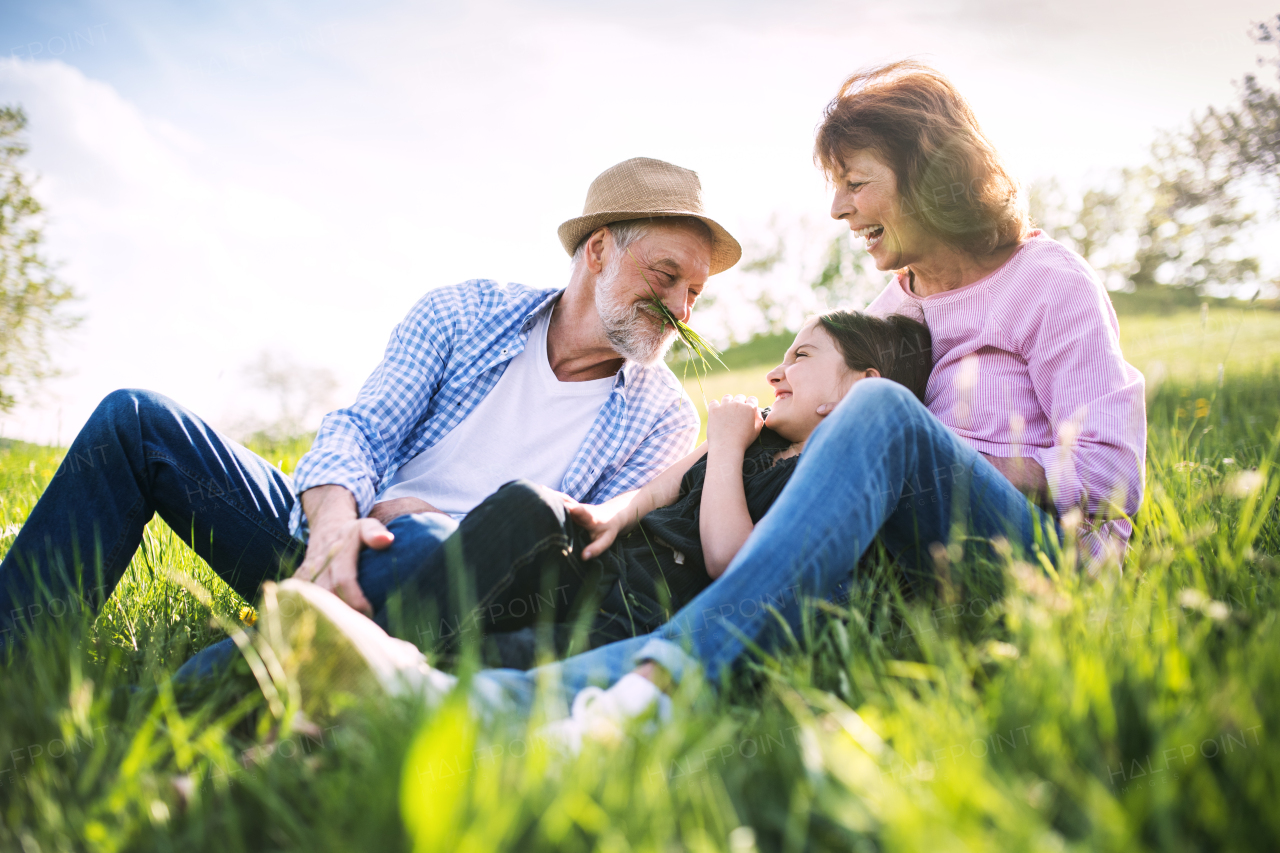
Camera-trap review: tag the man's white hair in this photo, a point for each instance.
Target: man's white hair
(628, 231)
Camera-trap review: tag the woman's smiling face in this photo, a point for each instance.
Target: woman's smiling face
(867, 199)
(812, 373)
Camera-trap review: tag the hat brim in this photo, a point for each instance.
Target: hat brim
(725, 250)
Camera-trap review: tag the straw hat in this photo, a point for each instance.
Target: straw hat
(641, 188)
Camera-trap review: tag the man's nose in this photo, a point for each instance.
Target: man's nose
(681, 306)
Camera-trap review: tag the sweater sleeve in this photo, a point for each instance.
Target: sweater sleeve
(1094, 399)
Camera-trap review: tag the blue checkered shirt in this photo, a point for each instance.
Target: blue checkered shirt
(442, 360)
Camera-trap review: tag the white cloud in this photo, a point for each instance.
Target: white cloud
(293, 180)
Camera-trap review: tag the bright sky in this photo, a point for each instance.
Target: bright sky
(227, 178)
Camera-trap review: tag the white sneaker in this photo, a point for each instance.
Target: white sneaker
(604, 715)
(333, 652)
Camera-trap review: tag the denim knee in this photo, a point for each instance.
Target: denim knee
(130, 404)
(524, 499)
(416, 528)
(884, 395)
(878, 402)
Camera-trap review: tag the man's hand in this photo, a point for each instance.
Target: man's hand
(387, 511)
(337, 536)
(733, 423)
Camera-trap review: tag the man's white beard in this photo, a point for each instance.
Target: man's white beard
(633, 329)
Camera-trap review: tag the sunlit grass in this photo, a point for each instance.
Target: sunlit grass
(1137, 712)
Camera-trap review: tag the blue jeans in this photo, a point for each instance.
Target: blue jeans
(139, 455)
(880, 465)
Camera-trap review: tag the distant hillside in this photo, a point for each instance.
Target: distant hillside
(1171, 300)
(769, 349)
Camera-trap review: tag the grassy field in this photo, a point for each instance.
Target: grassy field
(1133, 713)
(1185, 343)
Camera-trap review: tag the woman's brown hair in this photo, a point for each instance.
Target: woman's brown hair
(949, 175)
(898, 347)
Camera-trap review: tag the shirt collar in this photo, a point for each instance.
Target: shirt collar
(630, 370)
(543, 307)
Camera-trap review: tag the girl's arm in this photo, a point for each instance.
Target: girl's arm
(724, 520)
(611, 519)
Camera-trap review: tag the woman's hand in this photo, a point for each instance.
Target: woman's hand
(1026, 475)
(734, 422)
(604, 522)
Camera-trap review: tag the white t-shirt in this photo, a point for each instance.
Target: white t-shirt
(529, 426)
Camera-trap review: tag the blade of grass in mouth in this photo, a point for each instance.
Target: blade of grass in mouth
(694, 342)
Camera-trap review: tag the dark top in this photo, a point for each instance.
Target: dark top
(659, 567)
(676, 525)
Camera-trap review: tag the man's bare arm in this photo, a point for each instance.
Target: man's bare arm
(387, 511)
(337, 535)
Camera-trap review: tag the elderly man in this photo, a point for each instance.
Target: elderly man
(481, 383)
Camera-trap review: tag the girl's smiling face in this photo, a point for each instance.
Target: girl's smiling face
(812, 373)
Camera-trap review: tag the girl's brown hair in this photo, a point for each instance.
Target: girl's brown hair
(898, 347)
(949, 175)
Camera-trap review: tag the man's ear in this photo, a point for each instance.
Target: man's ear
(595, 250)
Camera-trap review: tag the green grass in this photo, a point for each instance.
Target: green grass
(1131, 713)
(1165, 340)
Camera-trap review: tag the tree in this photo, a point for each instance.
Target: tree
(32, 298)
(1250, 131)
(300, 395)
(762, 263)
(1174, 221)
(844, 281)
(804, 269)
(1190, 217)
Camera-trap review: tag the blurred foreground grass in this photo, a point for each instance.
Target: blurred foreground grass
(1132, 713)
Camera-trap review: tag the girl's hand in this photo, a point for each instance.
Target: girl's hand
(734, 422)
(604, 522)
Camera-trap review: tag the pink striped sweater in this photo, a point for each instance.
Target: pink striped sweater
(1027, 362)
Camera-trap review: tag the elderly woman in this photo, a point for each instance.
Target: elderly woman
(1028, 369)
(1030, 403)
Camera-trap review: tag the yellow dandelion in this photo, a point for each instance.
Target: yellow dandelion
(248, 615)
(1202, 408)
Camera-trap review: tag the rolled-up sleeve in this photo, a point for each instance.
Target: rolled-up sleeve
(1095, 403)
(354, 446)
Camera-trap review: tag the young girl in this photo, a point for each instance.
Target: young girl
(528, 550)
